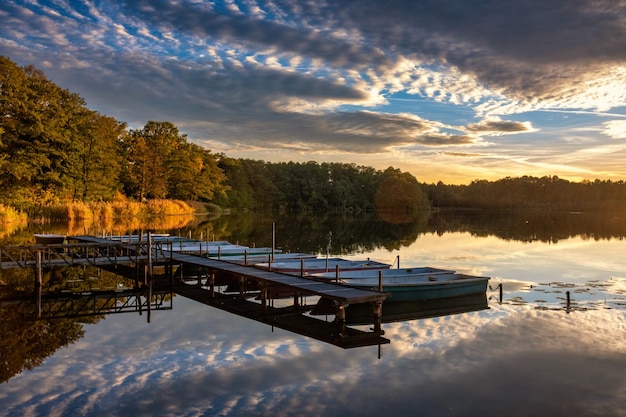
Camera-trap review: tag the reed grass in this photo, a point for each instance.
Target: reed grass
(11, 220)
(8, 215)
(117, 216)
(119, 209)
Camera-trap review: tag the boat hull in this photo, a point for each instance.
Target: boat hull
(425, 287)
(404, 273)
(49, 239)
(318, 265)
(417, 310)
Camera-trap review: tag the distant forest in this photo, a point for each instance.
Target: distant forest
(54, 150)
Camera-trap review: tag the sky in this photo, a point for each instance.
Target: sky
(448, 90)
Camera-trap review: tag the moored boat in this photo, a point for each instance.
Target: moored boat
(49, 238)
(253, 258)
(423, 287)
(386, 273)
(307, 266)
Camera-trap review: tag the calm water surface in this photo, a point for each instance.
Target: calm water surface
(527, 354)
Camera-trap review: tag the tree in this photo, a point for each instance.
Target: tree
(98, 162)
(41, 124)
(150, 159)
(194, 174)
(162, 164)
(399, 191)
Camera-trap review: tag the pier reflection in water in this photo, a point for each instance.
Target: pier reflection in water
(526, 355)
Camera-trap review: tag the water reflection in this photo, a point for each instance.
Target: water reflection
(570, 296)
(527, 354)
(194, 361)
(345, 233)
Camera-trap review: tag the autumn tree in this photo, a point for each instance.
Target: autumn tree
(194, 174)
(162, 164)
(98, 161)
(40, 123)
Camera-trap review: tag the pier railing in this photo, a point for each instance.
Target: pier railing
(25, 256)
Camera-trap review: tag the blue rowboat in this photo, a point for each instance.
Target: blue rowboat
(422, 286)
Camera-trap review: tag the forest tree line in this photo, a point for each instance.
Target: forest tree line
(527, 192)
(54, 150)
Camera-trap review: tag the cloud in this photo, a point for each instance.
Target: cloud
(464, 154)
(328, 77)
(496, 126)
(615, 129)
(233, 366)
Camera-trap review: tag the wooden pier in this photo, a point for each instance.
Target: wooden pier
(340, 295)
(263, 285)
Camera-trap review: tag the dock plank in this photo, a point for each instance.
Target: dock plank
(337, 292)
(341, 294)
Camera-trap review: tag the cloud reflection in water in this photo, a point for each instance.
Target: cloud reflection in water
(194, 360)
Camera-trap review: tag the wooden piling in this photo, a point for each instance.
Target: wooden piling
(273, 239)
(38, 271)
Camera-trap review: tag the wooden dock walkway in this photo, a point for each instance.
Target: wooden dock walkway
(83, 250)
(255, 290)
(340, 295)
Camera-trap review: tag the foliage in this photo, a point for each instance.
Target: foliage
(10, 215)
(54, 150)
(399, 191)
(10, 220)
(307, 187)
(39, 123)
(117, 209)
(547, 193)
(162, 164)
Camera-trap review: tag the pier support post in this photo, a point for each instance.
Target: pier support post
(38, 271)
(377, 309)
(296, 297)
(210, 279)
(340, 318)
(264, 292)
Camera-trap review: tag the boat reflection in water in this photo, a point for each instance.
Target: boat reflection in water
(361, 314)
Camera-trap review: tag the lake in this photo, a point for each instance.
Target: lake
(527, 353)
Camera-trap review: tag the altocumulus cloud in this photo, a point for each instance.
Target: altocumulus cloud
(327, 76)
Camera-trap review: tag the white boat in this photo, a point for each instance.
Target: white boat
(211, 249)
(308, 266)
(252, 259)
